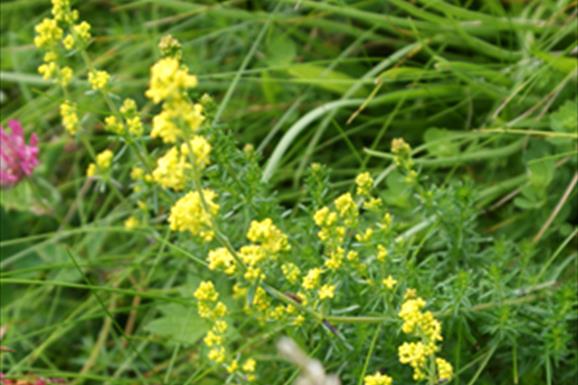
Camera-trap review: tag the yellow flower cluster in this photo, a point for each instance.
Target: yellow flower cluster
(402, 158)
(210, 308)
(69, 116)
(50, 34)
(428, 329)
(102, 164)
(190, 214)
(213, 310)
(130, 122)
(169, 84)
(222, 259)
(98, 79)
(377, 379)
(172, 168)
(271, 239)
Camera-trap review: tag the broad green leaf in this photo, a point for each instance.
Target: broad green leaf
(565, 118)
(178, 324)
(440, 143)
(280, 51)
(541, 173)
(321, 77)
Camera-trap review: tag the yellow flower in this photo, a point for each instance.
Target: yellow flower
(346, 208)
(65, 76)
(98, 79)
(381, 253)
(102, 164)
(128, 107)
(389, 282)
(169, 80)
(249, 365)
(324, 217)
(135, 126)
(233, 367)
(268, 235)
(364, 183)
(82, 31)
(200, 148)
(377, 379)
(445, 370)
(311, 279)
(222, 259)
(189, 214)
(171, 170)
(167, 124)
(410, 312)
(47, 33)
(212, 339)
(112, 124)
(326, 291)
(206, 292)
(365, 236)
(291, 272)
(61, 11)
(251, 255)
(217, 354)
(414, 354)
(335, 259)
(131, 223)
(68, 42)
(48, 70)
(136, 173)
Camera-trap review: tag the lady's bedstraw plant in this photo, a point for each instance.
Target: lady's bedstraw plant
(277, 280)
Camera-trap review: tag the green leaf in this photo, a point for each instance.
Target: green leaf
(440, 142)
(280, 50)
(541, 173)
(179, 324)
(321, 77)
(563, 64)
(565, 118)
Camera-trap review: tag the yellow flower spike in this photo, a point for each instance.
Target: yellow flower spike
(169, 80)
(128, 107)
(206, 292)
(326, 291)
(335, 259)
(346, 208)
(212, 339)
(249, 365)
(372, 204)
(48, 70)
(414, 354)
(136, 173)
(444, 369)
(222, 259)
(382, 253)
(98, 79)
(112, 124)
(311, 279)
(201, 150)
(352, 256)
(82, 31)
(68, 42)
(217, 354)
(135, 127)
(291, 272)
(61, 11)
(377, 379)
(268, 235)
(364, 183)
(47, 33)
(188, 214)
(65, 76)
(389, 282)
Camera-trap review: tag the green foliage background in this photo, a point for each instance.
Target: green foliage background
(484, 91)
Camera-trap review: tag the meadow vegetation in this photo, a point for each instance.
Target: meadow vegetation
(390, 184)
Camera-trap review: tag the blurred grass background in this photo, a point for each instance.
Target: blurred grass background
(484, 90)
